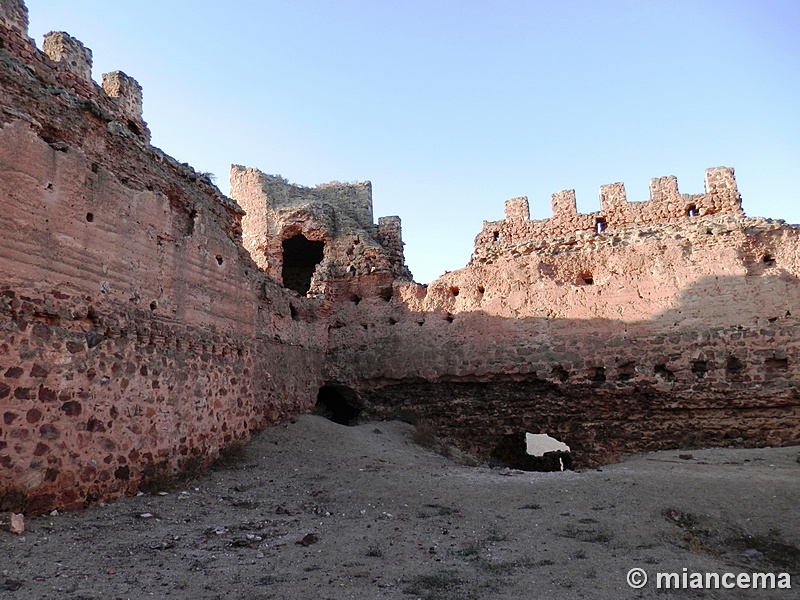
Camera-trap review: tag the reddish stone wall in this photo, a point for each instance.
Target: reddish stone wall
(143, 326)
(666, 205)
(651, 337)
(137, 337)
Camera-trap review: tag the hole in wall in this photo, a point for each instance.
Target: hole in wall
(386, 294)
(776, 364)
(89, 217)
(190, 223)
(392, 321)
(293, 312)
(481, 290)
(449, 318)
(454, 291)
(49, 187)
(600, 225)
(597, 375)
(512, 451)
(355, 299)
(496, 236)
(95, 167)
(560, 373)
(585, 278)
(300, 257)
(153, 305)
(663, 372)
(691, 210)
(768, 260)
(340, 404)
(733, 366)
(133, 128)
(220, 260)
(700, 368)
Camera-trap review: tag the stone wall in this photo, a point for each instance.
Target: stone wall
(145, 322)
(642, 338)
(666, 205)
(336, 214)
(137, 337)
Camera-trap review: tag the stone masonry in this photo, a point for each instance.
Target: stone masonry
(148, 322)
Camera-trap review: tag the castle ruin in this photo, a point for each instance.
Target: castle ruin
(147, 321)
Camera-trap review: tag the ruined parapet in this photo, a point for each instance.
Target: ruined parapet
(70, 53)
(354, 199)
(329, 225)
(126, 93)
(665, 205)
(517, 209)
(722, 194)
(391, 238)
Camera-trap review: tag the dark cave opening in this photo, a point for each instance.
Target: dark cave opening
(300, 257)
(340, 404)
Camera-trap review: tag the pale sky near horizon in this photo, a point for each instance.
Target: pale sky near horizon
(452, 107)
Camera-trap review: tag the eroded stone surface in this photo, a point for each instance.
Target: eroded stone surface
(147, 321)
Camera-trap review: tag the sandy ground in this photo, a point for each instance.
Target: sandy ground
(316, 510)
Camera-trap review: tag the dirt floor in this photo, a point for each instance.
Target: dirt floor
(316, 510)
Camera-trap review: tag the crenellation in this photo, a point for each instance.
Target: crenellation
(565, 207)
(517, 209)
(613, 198)
(664, 190)
(722, 191)
(138, 302)
(126, 93)
(666, 205)
(70, 53)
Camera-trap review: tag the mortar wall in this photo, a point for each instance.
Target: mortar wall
(137, 338)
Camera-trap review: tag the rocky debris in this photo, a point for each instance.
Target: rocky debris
(16, 523)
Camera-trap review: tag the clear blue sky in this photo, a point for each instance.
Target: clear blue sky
(452, 107)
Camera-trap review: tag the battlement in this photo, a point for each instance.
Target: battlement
(65, 61)
(666, 204)
(70, 53)
(126, 91)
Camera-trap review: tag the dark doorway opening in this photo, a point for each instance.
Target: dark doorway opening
(300, 257)
(339, 404)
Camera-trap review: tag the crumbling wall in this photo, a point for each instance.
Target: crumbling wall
(637, 338)
(137, 337)
(666, 205)
(336, 214)
(145, 324)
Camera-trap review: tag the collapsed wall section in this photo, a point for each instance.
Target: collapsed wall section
(668, 334)
(285, 225)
